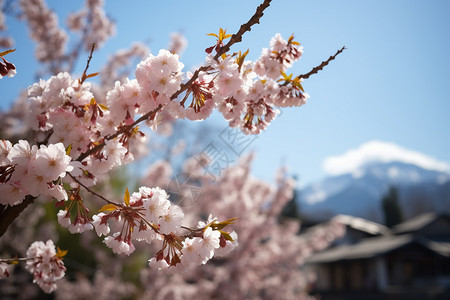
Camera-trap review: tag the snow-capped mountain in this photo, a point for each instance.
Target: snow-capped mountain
(359, 193)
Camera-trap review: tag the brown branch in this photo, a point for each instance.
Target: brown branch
(74, 55)
(91, 191)
(17, 259)
(321, 66)
(186, 85)
(47, 138)
(148, 115)
(235, 38)
(9, 213)
(85, 76)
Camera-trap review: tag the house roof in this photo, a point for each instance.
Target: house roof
(363, 225)
(365, 249)
(443, 248)
(355, 223)
(416, 223)
(373, 247)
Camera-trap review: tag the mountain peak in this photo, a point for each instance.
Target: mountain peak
(361, 191)
(376, 152)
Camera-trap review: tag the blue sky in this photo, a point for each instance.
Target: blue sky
(390, 85)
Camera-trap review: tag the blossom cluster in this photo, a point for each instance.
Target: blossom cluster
(85, 136)
(44, 29)
(247, 99)
(117, 67)
(75, 215)
(45, 263)
(93, 21)
(250, 92)
(247, 93)
(29, 170)
(5, 41)
(7, 68)
(269, 241)
(68, 108)
(4, 273)
(100, 136)
(177, 43)
(149, 216)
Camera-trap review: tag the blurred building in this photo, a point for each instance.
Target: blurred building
(410, 261)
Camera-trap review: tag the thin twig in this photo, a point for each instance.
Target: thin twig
(186, 85)
(91, 191)
(84, 76)
(322, 65)
(10, 213)
(73, 56)
(235, 38)
(17, 259)
(47, 138)
(148, 115)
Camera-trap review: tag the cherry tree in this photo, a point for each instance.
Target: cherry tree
(75, 132)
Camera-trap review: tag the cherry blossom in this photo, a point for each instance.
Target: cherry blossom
(80, 132)
(45, 265)
(7, 68)
(4, 273)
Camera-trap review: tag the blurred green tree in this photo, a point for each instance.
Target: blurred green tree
(391, 209)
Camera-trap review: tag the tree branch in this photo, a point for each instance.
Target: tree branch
(91, 191)
(322, 65)
(9, 213)
(235, 38)
(148, 115)
(85, 76)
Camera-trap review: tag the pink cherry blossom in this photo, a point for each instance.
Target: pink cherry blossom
(45, 266)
